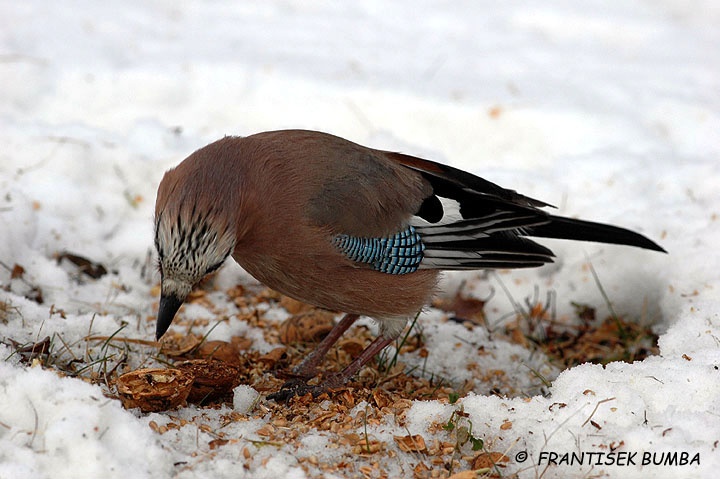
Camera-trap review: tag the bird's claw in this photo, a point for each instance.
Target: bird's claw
(296, 387)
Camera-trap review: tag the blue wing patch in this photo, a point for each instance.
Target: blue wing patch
(397, 254)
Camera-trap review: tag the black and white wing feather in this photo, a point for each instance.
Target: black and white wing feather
(471, 223)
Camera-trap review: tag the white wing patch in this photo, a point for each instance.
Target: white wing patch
(451, 214)
(490, 239)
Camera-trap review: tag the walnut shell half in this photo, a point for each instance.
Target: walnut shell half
(154, 389)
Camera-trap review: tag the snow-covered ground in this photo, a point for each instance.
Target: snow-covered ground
(609, 110)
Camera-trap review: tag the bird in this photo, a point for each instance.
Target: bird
(344, 227)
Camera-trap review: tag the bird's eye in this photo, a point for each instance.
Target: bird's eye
(213, 268)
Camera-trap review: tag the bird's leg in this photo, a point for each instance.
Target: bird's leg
(337, 379)
(308, 367)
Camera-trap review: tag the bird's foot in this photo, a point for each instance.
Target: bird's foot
(299, 387)
(295, 387)
(293, 376)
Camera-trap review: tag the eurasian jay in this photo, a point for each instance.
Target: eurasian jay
(344, 227)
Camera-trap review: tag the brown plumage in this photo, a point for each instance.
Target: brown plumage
(343, 227)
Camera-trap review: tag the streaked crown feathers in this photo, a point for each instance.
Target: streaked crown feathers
(190, 244)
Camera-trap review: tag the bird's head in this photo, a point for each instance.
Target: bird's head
(190, 245)
(197, 219)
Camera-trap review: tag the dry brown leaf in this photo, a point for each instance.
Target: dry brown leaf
(84, 265)
(241, 342)
(17, 272)
(307, 327)
(219, 350)
(464, 307)
(174, 344)
(518, 337)
(614, 339)
(352, 346)
(294, 306)
(271, 358)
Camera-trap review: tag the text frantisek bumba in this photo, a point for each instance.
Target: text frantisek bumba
(622, 458)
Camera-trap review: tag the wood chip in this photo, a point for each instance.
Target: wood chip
(421, 471)
(414, 443)
(215, 443)
(381, 398)
(268, 430)
(488, 460)
(464, 475)
(368, 446)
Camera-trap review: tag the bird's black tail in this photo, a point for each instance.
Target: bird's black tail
(568, 228)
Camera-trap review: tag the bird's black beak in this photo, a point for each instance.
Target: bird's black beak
(169, 304)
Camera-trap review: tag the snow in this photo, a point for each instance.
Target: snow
(609, 110)
(244, 397)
